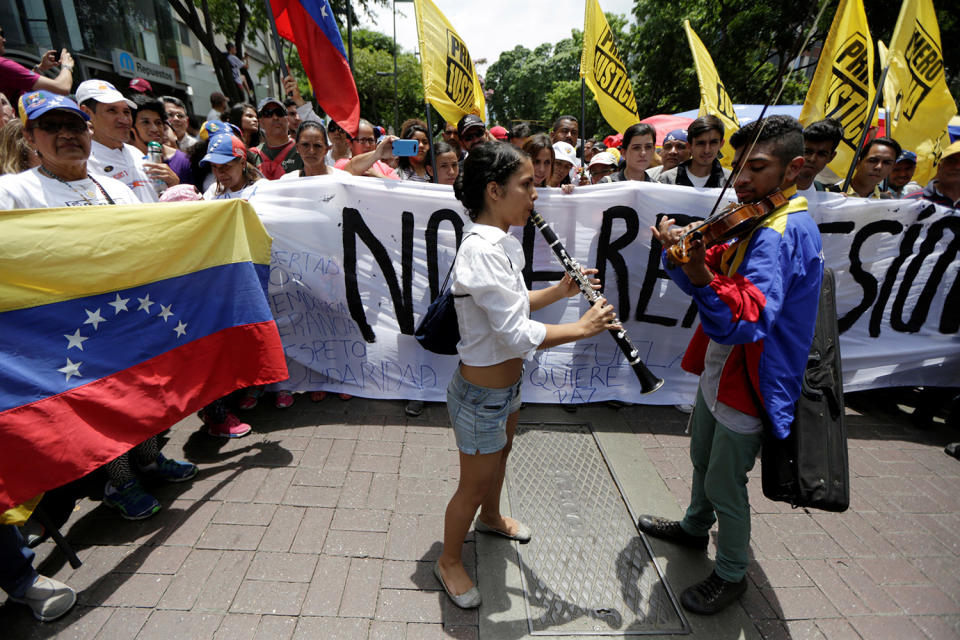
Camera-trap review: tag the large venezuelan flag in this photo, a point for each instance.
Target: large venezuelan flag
(115, 322)
(310, 25)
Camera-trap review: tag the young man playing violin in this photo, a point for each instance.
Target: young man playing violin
(757, 295)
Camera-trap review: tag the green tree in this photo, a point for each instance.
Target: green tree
(373, 74)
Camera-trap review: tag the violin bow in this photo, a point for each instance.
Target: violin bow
(781, 78)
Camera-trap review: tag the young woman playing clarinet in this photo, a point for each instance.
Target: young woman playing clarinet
(497, 335)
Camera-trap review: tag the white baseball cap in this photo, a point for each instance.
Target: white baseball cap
(101, 91)
(604, 157)
(565, 151)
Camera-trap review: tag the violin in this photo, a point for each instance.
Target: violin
(733, 221)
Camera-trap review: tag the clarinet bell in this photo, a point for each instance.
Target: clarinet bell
(648, 381)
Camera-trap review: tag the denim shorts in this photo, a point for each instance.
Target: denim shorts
(479, 414)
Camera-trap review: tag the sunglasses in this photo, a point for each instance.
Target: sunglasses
(54, 126)
(275, 112)
(467, 137)
(364, 140)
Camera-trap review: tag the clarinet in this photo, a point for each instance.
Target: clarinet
(648, 381)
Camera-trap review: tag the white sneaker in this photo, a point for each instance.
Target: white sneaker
(48, 598)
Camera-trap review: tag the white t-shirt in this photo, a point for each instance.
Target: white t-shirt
(124, 164)
(33, 190)
(697, 181)
(245, 193)
(298, 173)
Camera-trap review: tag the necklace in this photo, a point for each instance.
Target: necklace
(82, 194)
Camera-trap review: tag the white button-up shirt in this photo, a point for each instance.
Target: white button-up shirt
(494, 315)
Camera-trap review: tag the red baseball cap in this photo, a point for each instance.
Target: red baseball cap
(498, 132)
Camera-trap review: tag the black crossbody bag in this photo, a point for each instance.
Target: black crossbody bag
(438, 330)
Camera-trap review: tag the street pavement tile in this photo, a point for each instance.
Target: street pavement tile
(402, 542)
(806, 629)
(383, 491)
(313, 530)
(837, 629)
(276, 627)
(872, 595)
(918, 543)
(177, 625)
(237, 626)
(886, 628)
(98, 562)
(422, 503)
(408, 574)
(275, 485)
(430, 439)
(198, 516)
(316, 452)
(311, 628)
(320, 477)
(454, 616)
(153, 560)
(282, 567)
(939, 628)
(943, 574)
(361, 520)
(813, 545)
(190, 579)
(339, 431)
(892, 571)
(404, 605)
(221, 587)
(356, 489)
(460, 633)
(360, 591)
(375, 463)
(231, 537)
(270, 598)
(394, 433)
(282, 530)
(244, 487)
(245, 513)
(855, 544)
(379, 448)
(370, 432)
(361, 544)
(922, 600)
(799, 603)
(124, 623)
(824, 574)
(756, 604)
(382, 630)
(778, 573)
(307, 496)
(326, 587)
(127, 590)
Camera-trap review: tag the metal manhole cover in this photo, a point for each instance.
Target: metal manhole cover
(587, 570)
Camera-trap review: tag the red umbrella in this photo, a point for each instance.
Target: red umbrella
(664, 124)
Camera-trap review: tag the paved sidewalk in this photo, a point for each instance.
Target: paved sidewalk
(324, 524)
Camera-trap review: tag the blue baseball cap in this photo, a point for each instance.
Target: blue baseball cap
(223, 148)
(676, 134)
(36, 103)
(907, 156)
(211, 128)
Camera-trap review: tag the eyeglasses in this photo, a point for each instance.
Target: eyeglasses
(467, 137)
(176, 115)
(365, 140)
(54, 126)
(275, 112)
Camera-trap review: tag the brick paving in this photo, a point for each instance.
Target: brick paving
(324, 524)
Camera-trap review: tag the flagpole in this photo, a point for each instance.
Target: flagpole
(866, 129)
(583, 120)
(433, 156)
(276, 42)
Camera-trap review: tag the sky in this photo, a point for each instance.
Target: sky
(489, 27)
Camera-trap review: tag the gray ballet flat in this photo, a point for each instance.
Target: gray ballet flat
(469, 600)
(522, 535)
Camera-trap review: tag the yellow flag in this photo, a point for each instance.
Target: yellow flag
(450, 81)
(602, 69)
(842, 86)
(919, 105)
(714, 99)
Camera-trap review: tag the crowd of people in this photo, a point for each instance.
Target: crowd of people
(108, 147)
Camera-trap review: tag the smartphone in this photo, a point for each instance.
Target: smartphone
(406, 147)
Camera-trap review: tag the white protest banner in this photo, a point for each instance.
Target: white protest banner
(356, 261)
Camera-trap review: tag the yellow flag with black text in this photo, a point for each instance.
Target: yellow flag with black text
(602, 69)
(450, 81)
(714, 99)
(842, 85)
(918, 102)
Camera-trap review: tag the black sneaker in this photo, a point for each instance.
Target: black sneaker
(671, 531)
(712, 595)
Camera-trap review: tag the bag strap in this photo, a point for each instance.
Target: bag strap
(443, 287)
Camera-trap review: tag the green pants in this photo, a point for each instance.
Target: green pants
(721, 459)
